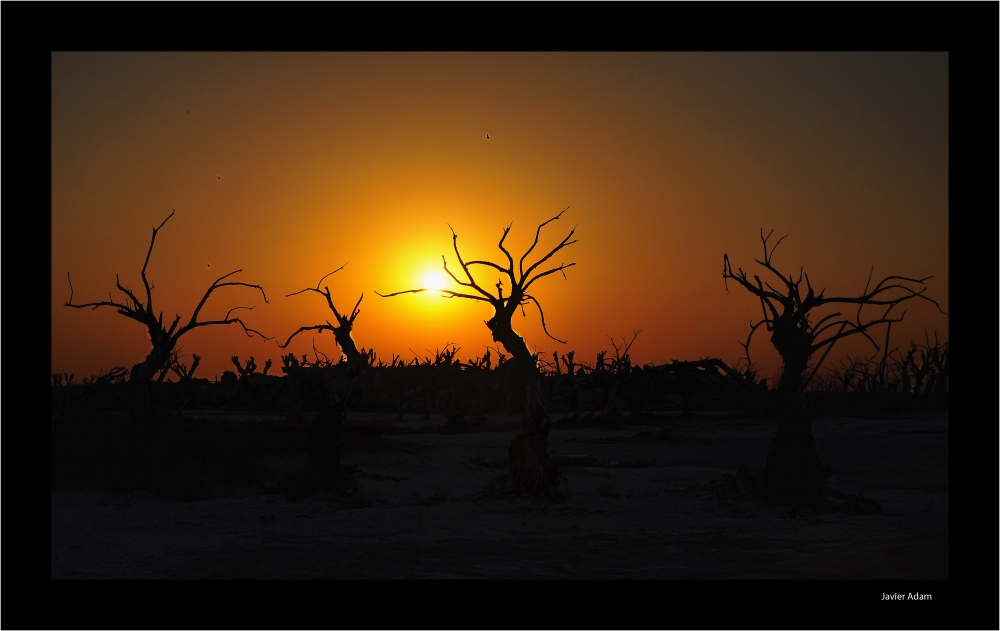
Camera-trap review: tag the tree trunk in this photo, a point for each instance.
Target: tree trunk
(794, 473)
(157, 359)
(530, 471)
(355, 360)
(331, 391)
(324, 390)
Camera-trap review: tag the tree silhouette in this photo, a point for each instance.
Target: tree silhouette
(163, 338)
(330, 391)
(356, 360)
(530, 471)
(794, 473)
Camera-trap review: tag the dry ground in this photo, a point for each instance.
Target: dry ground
(423, 519)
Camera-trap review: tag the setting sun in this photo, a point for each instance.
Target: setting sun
(434, 281)
(274, 149)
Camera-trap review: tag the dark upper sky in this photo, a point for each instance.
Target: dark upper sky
(667, 161)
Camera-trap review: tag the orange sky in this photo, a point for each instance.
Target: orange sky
(666, 160)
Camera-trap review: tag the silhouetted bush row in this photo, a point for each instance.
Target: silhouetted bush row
(438, 384)
(922, 369)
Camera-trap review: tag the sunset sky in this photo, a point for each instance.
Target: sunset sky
(289, 165)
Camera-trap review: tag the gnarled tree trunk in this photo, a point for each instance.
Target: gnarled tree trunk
(158, 359)
(530, 471)
(330, 390)
(793, 472)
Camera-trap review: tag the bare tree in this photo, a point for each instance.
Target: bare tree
(341, 331)
(794, 473)
(164, 338)
(330, 393)
(531, 471)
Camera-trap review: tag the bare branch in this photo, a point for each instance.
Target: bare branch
(302, 291)
(70, 281)
(546, 273)
(331, 274)
(106, 303)
(246, 329)
(727, 272)
(742, 279)
(542, 314)
(538, 231)
(356, 311)
(856, 328)
(472, 282)
(769, 286)
(825, 353)
(405, 291)
(815, 327)
(765, 299)
(95, 305)
(318, 327)
(149, 290)
(317, 284)
(193, 322)
(564, 243)
(329, 303)
(746, 345)
(231, 310)
(177, 318)
(204, 298)
(465, 267)
(627, 347)
(458, 255)
(767, 257)
(447, 294)
(317, 353)
(872, 297)
(510, 260)
(452, 294)
(491, 264)
(136, 305)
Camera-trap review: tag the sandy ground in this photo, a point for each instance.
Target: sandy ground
(423, 519)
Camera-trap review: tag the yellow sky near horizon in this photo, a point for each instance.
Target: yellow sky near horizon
(666, 161)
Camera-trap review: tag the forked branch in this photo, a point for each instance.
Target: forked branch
(345, 322)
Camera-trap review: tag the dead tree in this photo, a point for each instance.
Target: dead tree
(794, 473)
(356, 360)
(531, 471)
(329, 392)
(164, 338)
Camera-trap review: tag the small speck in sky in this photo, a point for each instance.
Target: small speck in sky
(219, 177)
(487, 136)
(208, 265)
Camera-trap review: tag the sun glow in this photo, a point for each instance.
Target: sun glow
(434, 281)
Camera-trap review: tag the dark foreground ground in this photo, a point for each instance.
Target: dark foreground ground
(421, 517)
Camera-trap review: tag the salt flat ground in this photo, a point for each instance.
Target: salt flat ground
(422, 518)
